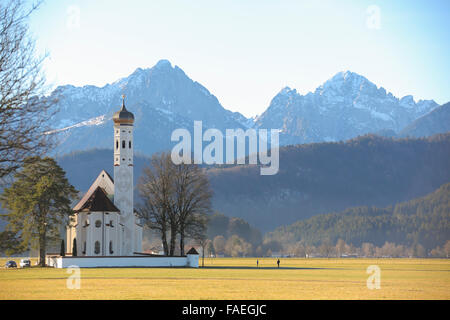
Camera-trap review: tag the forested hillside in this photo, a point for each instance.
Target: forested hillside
(330, 177)
(424, 221)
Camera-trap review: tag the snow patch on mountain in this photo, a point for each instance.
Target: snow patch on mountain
(91, 122)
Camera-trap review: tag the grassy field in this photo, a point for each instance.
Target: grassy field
(238, 278)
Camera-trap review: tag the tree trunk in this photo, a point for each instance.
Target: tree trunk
(203, 254)
(42, 249)
(173, 238)
(164, 242)
(181, 241)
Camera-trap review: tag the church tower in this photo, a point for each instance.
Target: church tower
(123, 177)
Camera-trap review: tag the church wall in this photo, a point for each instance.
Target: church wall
(138, 261)
(112, 228)
(138, 238)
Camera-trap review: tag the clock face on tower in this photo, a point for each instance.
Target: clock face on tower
(123, 179)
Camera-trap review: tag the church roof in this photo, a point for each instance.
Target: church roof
(105, 181)
(96, 200)
(123, 116)
(192, 251)
(108, 175)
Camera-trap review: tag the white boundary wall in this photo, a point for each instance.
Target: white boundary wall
(191, 261)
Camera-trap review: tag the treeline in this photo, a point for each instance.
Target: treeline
(234, 237)
(341, 249)
(420, 225)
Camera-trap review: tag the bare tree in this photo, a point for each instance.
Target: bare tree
(156, 190)
(368, 249)
(340, 247)
(447, 249)
(24, 113)
(193, 201)
(219, 244)
(326, 248)
(202, 241)
(175, 198)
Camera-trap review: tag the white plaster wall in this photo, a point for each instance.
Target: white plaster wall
(112, 233)
(108, 262)
(192, 260)
(138, 238)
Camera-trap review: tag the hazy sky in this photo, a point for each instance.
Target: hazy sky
(245, 51)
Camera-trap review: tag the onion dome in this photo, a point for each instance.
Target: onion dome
(123, 116)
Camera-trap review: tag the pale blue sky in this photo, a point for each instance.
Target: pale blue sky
(245, 51)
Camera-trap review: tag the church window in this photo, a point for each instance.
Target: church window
(129, 144)
(123, 143)
(111, 251)
(117, 144)
(111, 224)
(98, 223)
(97, 247)
(84, 247)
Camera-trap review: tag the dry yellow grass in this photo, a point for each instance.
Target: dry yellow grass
(235, 278)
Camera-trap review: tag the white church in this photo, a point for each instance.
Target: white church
(106, 229)
(105, 221)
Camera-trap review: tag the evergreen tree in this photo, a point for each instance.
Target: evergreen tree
(8, 242)
(63, 249)
(37, 203)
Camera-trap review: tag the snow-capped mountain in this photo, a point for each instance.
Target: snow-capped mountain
(162, 98)
(437, 121)
(343, 107)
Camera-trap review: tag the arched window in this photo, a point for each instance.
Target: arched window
(111, 251)
(97, 247)
(84, 247)
(98, 224)
(111, 224)
(129, 144)
(117, 144)
(123, 143)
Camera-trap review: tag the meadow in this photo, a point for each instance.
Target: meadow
(238, 278)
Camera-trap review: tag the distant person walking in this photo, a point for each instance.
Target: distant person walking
(257, 263)
(278, 263)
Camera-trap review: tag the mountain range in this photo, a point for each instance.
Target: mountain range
(346, 106)
(164, 98)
